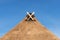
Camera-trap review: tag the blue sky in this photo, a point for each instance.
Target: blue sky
(46, 11)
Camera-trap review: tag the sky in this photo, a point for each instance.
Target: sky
(47, 13)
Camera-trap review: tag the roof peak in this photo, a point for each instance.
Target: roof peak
(30, 16)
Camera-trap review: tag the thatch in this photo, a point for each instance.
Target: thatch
(29, 30)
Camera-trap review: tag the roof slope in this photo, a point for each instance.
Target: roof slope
(29, 30)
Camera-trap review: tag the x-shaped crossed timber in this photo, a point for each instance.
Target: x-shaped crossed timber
(30, 16)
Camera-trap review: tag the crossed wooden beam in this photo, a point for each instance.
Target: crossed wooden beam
(30, 16)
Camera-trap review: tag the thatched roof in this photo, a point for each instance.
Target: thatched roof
(29, 30)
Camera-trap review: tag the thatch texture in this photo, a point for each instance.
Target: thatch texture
(29, 29)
